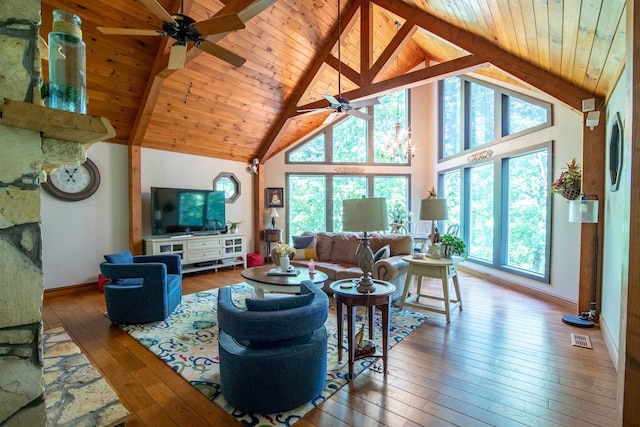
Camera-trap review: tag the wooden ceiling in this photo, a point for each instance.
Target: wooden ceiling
(571, 49)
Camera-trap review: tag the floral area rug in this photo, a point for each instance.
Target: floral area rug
(188, 342)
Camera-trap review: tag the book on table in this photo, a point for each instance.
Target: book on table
(278, 272)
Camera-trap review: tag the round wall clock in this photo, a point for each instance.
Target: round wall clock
(73, 182)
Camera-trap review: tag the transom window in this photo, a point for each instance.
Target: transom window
(384, 139)
(474, 114)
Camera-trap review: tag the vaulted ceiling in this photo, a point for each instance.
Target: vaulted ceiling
(571, 49)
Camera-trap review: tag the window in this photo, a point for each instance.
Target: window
(526, 201)
(502, 206)
(315, 200)
(474, 114)
(353, 140)
(311, 152)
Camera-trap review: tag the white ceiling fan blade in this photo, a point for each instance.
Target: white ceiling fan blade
(331, 117)
(219, 24)
(332, 99)
(130, 31)
(158, 10)
(359, 114)
(364, 103)
(220, 52)
(316, 110)
(177, 57)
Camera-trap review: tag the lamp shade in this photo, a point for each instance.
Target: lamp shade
(433, 209)
(274, 213)
(584, 211)
(365, 214)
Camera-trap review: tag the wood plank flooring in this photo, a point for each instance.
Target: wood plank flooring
(505, 360)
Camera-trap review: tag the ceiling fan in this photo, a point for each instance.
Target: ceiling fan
(341, 105)
(184, 30)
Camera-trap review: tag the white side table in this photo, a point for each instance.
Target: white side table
(441, 268)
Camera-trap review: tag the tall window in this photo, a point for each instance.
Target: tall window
(353, 140)
(307, 209)
(474, 114)
(346, 187)
(502, 206)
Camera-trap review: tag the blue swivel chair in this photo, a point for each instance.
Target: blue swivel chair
(273, 356)
(143, 288)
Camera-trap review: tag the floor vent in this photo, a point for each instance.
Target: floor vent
(580, 341)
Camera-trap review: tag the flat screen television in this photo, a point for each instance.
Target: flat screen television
(183, 210)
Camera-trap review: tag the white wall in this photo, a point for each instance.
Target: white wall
(76, 235)
(616, 227)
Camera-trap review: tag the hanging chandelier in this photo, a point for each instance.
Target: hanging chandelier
(398, 146)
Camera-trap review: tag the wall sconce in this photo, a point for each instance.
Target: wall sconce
(253, 167)
(593, 119)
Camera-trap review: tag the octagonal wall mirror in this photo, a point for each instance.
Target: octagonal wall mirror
(228, 183)
(615, 152)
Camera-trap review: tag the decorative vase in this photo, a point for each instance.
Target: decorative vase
(67, 64)
(284, 263)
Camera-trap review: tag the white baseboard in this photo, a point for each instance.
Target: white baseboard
(609, 341)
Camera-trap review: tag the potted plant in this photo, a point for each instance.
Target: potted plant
(281, 254)
(452, 245)
(568, 183)
(234, 226)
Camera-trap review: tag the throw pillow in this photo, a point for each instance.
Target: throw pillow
(276, 304)
(382, 253)
(302, 242)
(305, 247)
(122, 257)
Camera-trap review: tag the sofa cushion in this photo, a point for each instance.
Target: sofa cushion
(324, 245)
(399, 244)
(122, 257)
(345, 247)
(283, 303)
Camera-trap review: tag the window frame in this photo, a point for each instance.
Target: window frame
(500, 209)
(500, 119)
(329, 177)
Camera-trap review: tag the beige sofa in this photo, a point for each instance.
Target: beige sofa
(336, 256)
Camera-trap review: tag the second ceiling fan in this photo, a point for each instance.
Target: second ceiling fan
(184, 30)
(338, 104)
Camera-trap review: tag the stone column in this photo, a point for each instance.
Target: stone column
(21, 281)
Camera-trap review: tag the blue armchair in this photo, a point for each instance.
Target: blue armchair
(143, 288)
(273, 356)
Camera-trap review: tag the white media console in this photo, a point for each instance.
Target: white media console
(201, 252)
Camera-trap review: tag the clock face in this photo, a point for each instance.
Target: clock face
(73, 182)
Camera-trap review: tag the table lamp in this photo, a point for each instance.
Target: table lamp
(273, 215)
(364, 215)
(433, 210)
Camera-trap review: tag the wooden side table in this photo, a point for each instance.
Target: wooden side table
(271, 235)
(346, 294)
(440, 268)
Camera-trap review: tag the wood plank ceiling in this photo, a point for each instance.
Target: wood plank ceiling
(573, 49)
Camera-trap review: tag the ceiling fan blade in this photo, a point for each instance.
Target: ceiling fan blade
(332, 99)
(158, 10)
(364, 103)
(331, 117)
(219, 24)
(312, 110)
(177, 57)
(220, 52)
(130, 31)
(359, 114)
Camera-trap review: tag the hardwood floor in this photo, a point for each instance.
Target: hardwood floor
(505, 360)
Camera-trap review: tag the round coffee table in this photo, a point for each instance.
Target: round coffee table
(261, 281)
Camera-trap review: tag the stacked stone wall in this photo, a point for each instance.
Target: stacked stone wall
(21, 281)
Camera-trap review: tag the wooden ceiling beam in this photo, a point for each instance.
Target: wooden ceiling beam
(344, 69)
(390, 53)
(463, 65)
(543, 80)
(267, 147)
(366, 42)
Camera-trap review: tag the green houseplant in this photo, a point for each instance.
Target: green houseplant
(234, 225)
(452, 245)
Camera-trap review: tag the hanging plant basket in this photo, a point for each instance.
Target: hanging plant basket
(570, 193)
